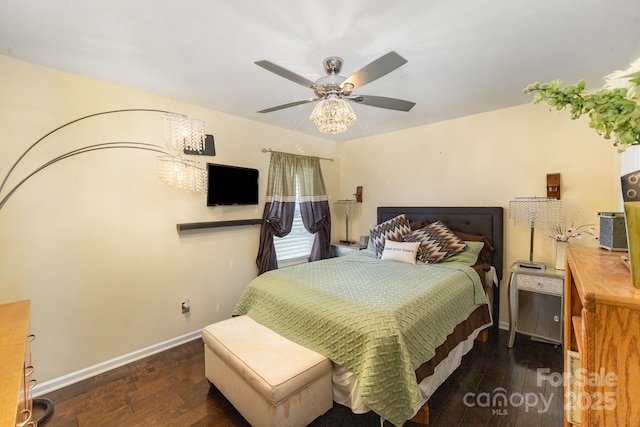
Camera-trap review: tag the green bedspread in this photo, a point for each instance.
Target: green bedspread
(380, 319)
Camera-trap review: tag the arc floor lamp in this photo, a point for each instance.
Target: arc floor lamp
(181, 133)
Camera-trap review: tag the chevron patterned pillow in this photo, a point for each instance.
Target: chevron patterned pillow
(392, 229)
(437, 242)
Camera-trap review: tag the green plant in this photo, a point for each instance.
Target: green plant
(613, 110)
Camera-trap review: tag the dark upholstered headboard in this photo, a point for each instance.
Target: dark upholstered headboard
(483, 221)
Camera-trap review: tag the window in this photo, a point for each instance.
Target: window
(295, 246)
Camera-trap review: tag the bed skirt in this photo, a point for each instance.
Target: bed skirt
(431, 374)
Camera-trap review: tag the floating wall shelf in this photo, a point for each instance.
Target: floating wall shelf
(215, 224)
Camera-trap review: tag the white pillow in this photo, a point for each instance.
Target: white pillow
(401, 251)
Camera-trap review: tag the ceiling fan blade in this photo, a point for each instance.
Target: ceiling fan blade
(291, 104)
(376, 69)
(383, 102)
(283, 72)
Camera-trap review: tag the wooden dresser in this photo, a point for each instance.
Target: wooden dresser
(15, 369)
(601, 340)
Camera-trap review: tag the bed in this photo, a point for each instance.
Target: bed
(392, 334)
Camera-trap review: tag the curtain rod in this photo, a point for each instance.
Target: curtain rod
(269, 150)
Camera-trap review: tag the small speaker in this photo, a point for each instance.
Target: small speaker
(613, 232)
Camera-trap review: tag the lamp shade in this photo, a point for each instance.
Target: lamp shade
(535, 211)
(182, 173)
(183, 133)
(345, 206)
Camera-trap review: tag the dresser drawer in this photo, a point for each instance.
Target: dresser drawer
(545, 284)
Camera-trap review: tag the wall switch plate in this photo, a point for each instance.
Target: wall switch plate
(186, 306)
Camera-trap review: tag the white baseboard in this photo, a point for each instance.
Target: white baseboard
(92, 371)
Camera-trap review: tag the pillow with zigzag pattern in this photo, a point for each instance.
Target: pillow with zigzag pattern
(391, 229)
(437, 242)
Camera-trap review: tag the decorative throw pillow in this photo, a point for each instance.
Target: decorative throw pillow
(400, 251)
(392, 229)
(437, 242)
(487, 250)
(469, 256)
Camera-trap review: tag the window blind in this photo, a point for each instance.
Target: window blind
(296, 244)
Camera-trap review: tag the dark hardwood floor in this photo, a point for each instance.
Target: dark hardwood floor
(169, 389)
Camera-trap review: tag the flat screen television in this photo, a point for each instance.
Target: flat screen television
(231, 185)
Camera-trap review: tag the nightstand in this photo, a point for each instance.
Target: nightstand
(536, 304)
(342, 249)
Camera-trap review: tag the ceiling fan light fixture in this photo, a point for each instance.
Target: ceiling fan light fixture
(333, 115)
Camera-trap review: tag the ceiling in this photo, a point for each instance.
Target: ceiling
(464, 57)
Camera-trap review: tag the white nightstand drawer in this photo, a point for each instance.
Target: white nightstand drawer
(546, 284)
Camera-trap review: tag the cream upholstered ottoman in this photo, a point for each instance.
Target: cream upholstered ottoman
(270, 380)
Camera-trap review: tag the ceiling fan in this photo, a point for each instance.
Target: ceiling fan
(335, 87)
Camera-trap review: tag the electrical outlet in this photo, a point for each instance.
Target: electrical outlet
(186, 306)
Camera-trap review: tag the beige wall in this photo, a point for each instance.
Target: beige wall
(92, 241)
(485, 160)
